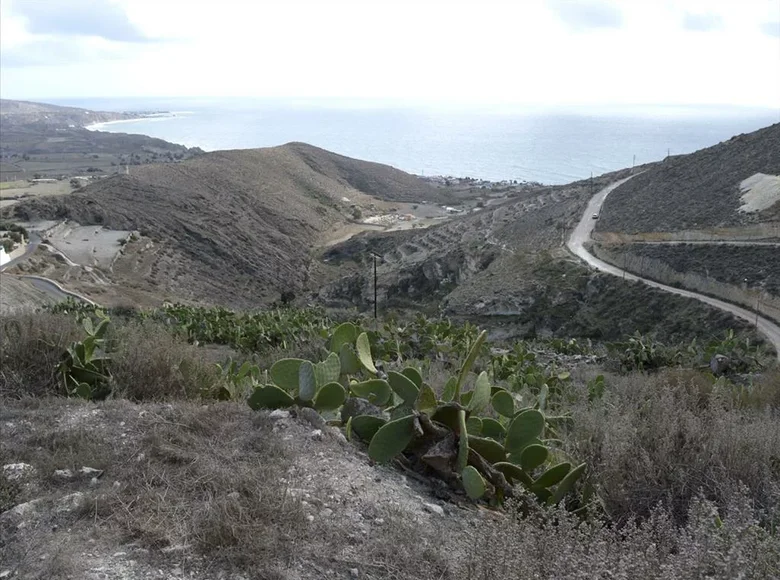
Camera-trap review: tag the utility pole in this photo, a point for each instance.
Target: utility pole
(633, 163)
(375, 256)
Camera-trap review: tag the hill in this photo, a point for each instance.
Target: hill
(506, 267)
(230, 227)
(697, 191)
(52, 141)
(25, 112)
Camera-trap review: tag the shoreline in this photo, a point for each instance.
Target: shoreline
(149, 117)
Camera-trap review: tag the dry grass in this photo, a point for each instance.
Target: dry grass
(210, 479)
(32, 344)
(149, 363)
(668, 437)
(552, 545)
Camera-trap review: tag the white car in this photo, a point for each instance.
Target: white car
(595, 216)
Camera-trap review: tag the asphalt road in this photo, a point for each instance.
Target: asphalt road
(582, 233)
(31, 247)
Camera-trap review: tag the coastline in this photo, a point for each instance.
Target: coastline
(149, 117)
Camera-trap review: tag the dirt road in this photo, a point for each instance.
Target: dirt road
(582, 233)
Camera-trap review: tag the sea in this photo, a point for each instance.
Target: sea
(540, 144)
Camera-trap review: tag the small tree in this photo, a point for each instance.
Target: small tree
(357, 214)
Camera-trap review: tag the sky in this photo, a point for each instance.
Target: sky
(473, 52)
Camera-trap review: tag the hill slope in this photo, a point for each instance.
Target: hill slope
(231, 227)
(23, 112)
(695, 191)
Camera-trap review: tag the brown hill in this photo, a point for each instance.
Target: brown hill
(230, 227)
(695, 191)
(23, 112)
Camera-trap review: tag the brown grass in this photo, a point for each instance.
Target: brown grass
(32, 344)
(668, 437)
(149, 363)
(555, 544)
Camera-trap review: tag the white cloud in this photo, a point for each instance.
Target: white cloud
(461, 51)
(705, 22)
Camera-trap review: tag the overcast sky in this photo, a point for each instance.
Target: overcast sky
(460, 51)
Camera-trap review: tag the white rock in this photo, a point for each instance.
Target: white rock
(90, 472)
(234, 495)
(316, 434)
(354, 572)
(63, 474)
(15, 471)
(310, 518)
(70, 502)
(5, 574)
(279, 414)
(433, 508)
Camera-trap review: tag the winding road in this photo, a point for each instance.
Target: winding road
(582, 233)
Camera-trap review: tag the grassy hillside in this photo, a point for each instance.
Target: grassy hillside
(695, 191)
(232, 227)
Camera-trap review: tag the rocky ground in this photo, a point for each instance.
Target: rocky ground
(120, 491)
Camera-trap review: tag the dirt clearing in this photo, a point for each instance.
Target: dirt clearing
(760, 192)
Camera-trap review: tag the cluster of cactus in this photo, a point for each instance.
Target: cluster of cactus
(482, 438)
(83, 368)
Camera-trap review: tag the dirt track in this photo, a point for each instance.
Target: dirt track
(582, 233)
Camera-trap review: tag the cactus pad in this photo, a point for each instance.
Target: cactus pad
(533, 456)
(391, 439)
(349, 360)
(493, 429)
(481, 394)
(503, 403)
(553, 476)
(523, 429)
(363, 347)
(567, 484)
(329, 397)
(413, 375)
(514, 473)
(426, 400)
(377, 391)
(328, 371)
(366, 426)
(307, 383)
(491, 450)
(269, 397)
(474, 426)
(473, 482)
(284, 373)
(345, 333)
(403, 387)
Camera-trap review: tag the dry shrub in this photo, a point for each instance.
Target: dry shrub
(150, 363)
(665, 438)
(210, 478)
(556, 545)
(32, 345)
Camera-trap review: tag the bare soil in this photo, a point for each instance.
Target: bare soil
(212, 491)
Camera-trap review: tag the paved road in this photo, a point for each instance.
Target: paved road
(31, 247)
(53, 289)
(582, 232)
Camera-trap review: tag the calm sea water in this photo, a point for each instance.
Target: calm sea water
(533, 145)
